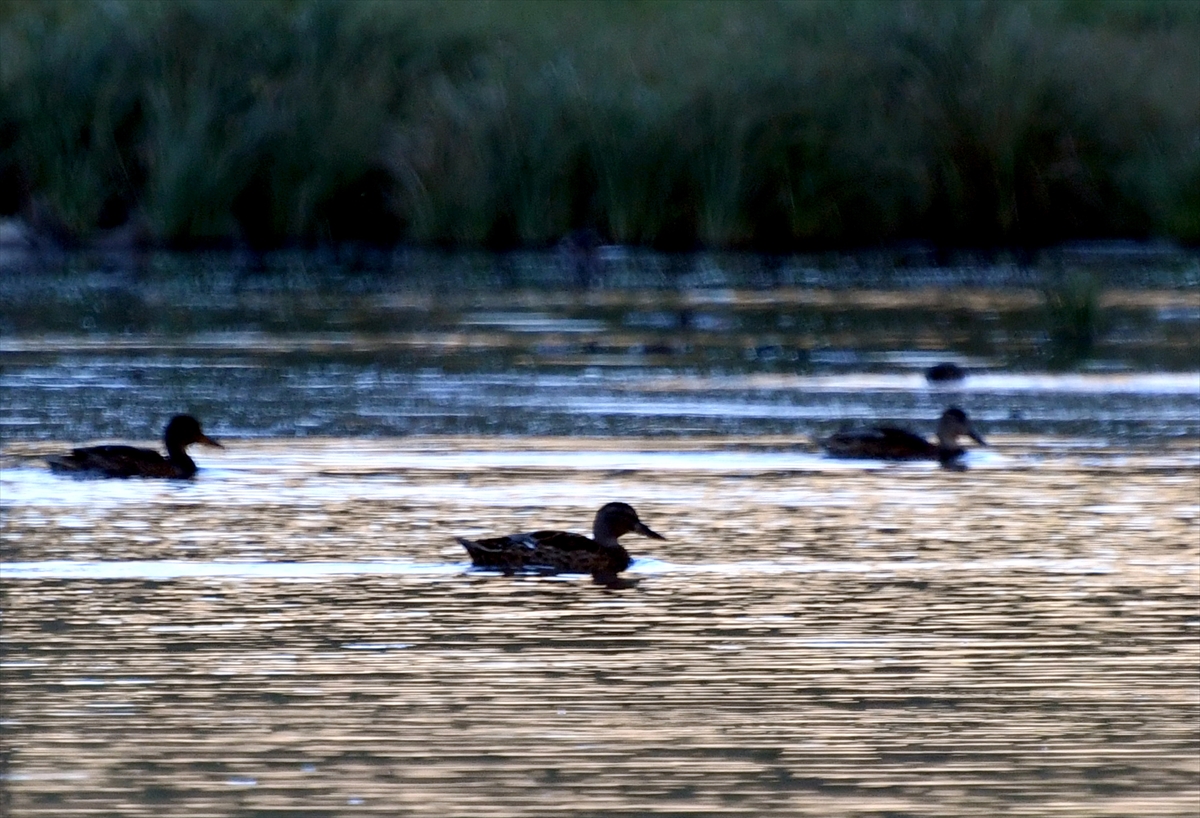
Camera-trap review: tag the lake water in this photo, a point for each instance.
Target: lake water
(296, 633)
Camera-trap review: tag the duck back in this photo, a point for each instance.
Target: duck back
(555, 551)
(882, 443)
(116, 461)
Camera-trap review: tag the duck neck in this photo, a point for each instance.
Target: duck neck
(947, 439)
(180, 459)
(603, 534)
(948, 448)
(948, 452)
(614, 558)
(605, 539)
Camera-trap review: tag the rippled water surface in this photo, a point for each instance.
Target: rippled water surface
(296, 633)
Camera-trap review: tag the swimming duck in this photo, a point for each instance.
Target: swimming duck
(890, 443)
(553, 552)
(130, 461)
(945, 372)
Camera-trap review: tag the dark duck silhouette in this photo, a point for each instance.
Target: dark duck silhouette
(891, 443)
(945, 372)
(554, 552)
(130, 461)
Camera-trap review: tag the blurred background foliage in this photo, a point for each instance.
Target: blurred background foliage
(776, 126)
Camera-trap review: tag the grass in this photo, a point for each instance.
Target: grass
(1073, 315)
(724, 124)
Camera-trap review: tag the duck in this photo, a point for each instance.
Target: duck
(891, 443)
(945, 372)
(130, 461)
(554, 552)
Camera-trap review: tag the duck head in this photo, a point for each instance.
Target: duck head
(617, 519)
(955, 424)
(184, 430)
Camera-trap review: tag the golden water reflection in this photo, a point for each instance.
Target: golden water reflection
(1019, 639)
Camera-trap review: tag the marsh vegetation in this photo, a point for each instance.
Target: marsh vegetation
(770, 125)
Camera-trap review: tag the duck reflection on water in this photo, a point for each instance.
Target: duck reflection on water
(130, 461)
(554, 552)
(892, 443)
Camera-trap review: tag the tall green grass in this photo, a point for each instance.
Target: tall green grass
(740, 123)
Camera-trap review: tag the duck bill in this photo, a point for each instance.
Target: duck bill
(208, 441)
(978, 438)
(645, 531)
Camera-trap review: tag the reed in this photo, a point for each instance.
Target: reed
(766, 125)
(1074, 317)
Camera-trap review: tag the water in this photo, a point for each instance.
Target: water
(296, 632)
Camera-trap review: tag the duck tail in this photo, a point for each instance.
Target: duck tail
(473, 548)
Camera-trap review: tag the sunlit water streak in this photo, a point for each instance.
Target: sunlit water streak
(178, 569)
(606, 363)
